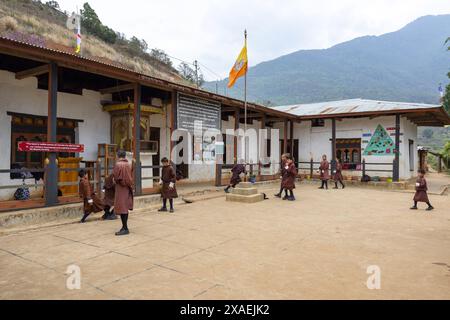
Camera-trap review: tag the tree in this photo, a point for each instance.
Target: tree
(91, 22)
(446, 98)
(427, 133)
(188, 73)
(161, 56)
(53, 4)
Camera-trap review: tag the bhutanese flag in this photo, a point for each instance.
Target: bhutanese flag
(240, 66)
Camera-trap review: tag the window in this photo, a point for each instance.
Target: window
(26, 127)
(317, 123)
(348, 151)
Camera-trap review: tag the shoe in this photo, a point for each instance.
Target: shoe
(413, 208)
(285, 197)
(171, 210)
(82, 221)
(320, 187)
(104, 217)
(343, 187)
(111, 217)
(226, 190)
(278, 195)
(162, 209)
(336, 188)
(291, 198)
(122, 232)
(429, 208)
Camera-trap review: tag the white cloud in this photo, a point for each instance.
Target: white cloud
(212, 31)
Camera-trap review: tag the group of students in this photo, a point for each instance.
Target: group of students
(118, 192)
(288, 174)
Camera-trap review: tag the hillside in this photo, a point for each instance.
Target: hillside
(45, 24)
(405, 65)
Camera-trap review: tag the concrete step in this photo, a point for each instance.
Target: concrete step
(245, 199)
(244, 191)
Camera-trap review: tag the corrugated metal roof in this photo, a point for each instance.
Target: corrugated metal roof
(351, 106)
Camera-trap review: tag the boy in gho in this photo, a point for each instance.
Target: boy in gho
(421, 191)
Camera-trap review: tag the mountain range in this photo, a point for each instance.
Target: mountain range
(405, 65)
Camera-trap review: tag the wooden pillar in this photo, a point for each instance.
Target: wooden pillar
(137, 139)
(396, 171)
(285, 136)
(172, 121)
(51, 170)
(333, 139)
(291, 134)
(236, 127)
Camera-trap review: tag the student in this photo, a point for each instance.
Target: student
(421, 191)
(282, 165)
(289, 175)
(109, 192)
(168, 189)
(123, 198)
(324, 172)
(337, 176)
(235, 177)
(91, 202)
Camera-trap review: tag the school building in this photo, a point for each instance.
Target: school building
(53, 96)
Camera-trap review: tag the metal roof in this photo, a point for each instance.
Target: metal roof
(351, 106)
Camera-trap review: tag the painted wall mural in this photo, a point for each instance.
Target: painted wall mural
(381, 144)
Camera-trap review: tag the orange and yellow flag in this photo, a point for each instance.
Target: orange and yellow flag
(240, 66)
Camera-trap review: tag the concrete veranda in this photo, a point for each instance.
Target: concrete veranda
(316, 247)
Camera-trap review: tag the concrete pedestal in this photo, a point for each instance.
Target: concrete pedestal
(245, 192)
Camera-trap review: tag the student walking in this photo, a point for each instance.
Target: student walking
(421, 191)
(123, 199)
(324, 172)
(337, 175)
(168, 189)
(289, 175)
(282, 165)
(92, 203)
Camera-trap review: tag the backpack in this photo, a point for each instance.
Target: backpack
(365, 178)
(22, 193)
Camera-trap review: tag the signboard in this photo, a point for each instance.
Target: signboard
(380, 144)
(190, 109)
(33, 146)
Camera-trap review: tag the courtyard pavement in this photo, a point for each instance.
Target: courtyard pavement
(318, 247)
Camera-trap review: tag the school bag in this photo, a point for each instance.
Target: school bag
(22, 193)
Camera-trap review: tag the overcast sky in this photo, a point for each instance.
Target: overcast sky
(211, 31)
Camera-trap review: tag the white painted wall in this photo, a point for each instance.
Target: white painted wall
(314, 142)
(23, 96)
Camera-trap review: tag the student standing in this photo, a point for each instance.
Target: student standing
(91, 202)
(123, 199)
(324, 172)
(289, 175)
(168, 189)
(236, 172)
(337, 175)
(282, 165)
(421, 191)
(109, 195)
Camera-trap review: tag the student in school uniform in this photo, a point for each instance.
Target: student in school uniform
(91, 203)
(109, 190)
(288, 180)
(236, 172)
(324, 172)
(124, 184)
(421, 191)
(337, 175)
(168, 189)
(282, 165)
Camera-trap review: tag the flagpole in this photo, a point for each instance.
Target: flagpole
(245, 105)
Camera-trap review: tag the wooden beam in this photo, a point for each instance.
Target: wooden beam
(119, 88)
(51, 169)
(137, 138)
(37, 71)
